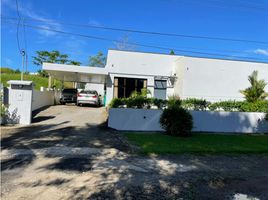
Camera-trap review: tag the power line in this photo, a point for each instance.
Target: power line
(147, 32)
(187, 47)
(224, 5)
(18, 26)
(241, 5)
(142, 45)
(21, 51)
(25, 45)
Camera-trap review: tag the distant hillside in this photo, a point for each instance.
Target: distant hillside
(38, 80)
(7, 70)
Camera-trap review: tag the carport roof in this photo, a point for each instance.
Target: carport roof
(76, 73)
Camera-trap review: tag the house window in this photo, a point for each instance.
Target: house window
(123, 87)
(160, 89)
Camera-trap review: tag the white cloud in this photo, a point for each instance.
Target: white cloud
(27, 11)
(261, 52)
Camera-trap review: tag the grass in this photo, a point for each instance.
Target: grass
(38, 80)
(200, 143)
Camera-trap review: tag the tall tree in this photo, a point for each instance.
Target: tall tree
(50, 57)
(72, 62)
(256, 90)
(171, 52)
(98, 60)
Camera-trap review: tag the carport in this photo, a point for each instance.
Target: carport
(73, 73)
(96, 77)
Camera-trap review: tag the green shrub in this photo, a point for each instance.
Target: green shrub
(159, 103)
(134, 94)
(258, 106)
(195, 104)
(138, 102)
(144, 92)
(241, 106)
(43, 73)
(3, 110)
(226, 106)
(173, 101)
(116, 103)
(176, 121)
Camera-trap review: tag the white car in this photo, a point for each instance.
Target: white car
(88, 97)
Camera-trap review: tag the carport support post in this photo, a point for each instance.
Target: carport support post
(49, 81)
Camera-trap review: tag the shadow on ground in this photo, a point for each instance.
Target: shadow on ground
(105, 175)
(43, 136)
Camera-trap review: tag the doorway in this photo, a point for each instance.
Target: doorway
(123, 87)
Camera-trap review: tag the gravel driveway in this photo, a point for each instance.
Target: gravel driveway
(68, 153)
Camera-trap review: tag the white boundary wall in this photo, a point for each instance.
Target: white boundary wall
(129, 119)
(42, 98)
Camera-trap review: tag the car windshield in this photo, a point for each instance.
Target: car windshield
(71, 91)
(88, 92)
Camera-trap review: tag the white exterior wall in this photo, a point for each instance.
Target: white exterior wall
(129, 119)
(42, 99)
(132, 63)
(139, 65)
(178, 69)
(99, 87)
(215, 79)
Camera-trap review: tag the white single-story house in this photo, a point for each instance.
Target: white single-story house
(164, 75)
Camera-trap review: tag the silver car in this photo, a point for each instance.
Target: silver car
(88, 97)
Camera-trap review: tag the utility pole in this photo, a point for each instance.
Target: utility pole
(26, 64)
(23, 57)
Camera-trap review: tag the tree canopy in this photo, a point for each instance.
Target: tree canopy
(52, 57)
(171, 52)
(98, 60)
(74, 62)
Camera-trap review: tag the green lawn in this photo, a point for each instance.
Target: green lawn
(200, 143)
(38, 80)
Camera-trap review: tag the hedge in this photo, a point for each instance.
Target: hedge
(190, 104)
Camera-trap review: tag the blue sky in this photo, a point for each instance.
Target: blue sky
(241, 19)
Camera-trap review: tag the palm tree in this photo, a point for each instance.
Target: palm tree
(256, 91)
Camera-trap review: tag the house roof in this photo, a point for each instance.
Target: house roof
(184, 55)
(76, 73)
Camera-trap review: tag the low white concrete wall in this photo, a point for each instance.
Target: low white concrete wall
(42, 99)
(134, 119)
(234, 122)
(204, 121)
